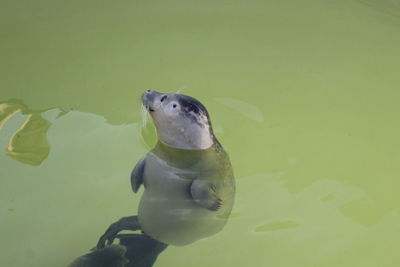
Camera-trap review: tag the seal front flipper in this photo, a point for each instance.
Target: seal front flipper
(205, 194)
(137, 175)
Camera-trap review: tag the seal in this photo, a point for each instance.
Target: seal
(187, 177)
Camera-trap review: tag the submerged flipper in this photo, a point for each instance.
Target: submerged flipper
(125, 223)
(205, 194)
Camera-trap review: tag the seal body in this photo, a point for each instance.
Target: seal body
(168, 211)
(188, 192)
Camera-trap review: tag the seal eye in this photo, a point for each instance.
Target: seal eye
(174, 105)
(163, 98)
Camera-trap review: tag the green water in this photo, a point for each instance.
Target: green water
(302, 94)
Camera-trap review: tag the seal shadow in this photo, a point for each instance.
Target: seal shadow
(133, 250)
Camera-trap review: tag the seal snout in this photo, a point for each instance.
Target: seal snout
(148, 99)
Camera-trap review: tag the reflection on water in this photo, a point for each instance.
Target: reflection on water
(6, 112)
(29, 143)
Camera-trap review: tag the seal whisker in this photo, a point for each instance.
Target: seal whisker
(180, 90)
(145, 117)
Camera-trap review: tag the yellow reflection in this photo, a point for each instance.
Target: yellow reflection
(7, 111)
(29, 143)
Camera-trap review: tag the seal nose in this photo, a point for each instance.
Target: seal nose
(151, 92)
(148, 98)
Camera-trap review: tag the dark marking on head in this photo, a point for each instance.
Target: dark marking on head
(193, 109)
(190, 104)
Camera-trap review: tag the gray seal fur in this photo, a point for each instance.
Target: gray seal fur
(189, 183)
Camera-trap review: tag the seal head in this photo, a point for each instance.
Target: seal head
(181, 121)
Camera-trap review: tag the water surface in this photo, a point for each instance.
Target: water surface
(304, 97)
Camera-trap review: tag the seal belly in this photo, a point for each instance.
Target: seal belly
(168, 213)
(177, 223)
